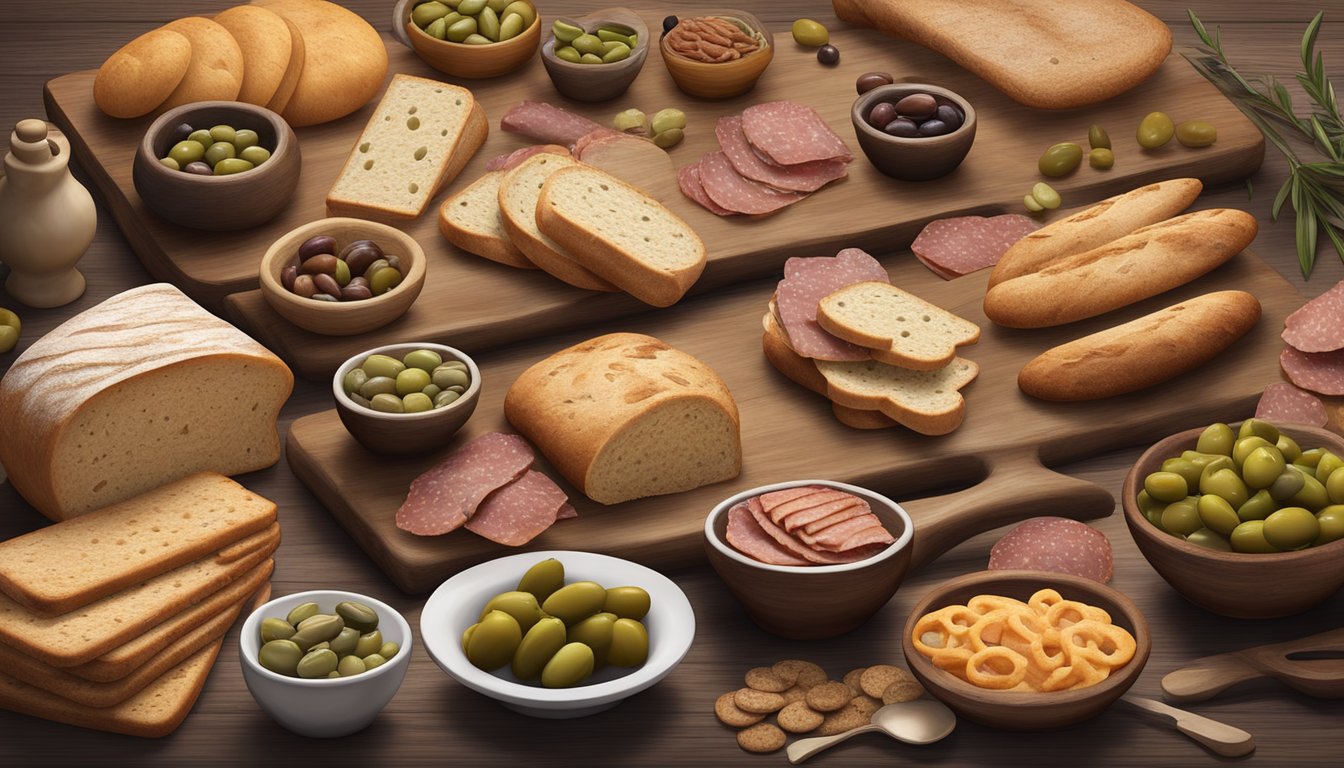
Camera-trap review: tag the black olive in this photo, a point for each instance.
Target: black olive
(828, 54)
(668, 23)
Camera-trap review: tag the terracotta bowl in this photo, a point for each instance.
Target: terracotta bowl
(473, 62)
(406, 433)
(918, 159)
(1240, 585)
(344, 318)
(598, 82)
(811, 602)
(720, 81)
(1027, 710)
(218, 203)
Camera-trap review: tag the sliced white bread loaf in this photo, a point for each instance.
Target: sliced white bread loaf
(621, 234)
(470, 220)
(929, 402)
(419, 137)
(899, 327)
(519, 191)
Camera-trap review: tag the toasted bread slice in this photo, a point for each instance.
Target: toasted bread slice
(900, 328)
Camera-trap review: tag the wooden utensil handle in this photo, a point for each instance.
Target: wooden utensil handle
(1018, 487)
(1206, 679)
(1219, 738)
(802, 749)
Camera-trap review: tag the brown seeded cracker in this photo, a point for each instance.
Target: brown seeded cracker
(761, 738)
(852, 680)
(763, 679)
(829, 696)
(865, 705)
(760, 702)
(846, 719)
(794, 694)
(876, 678)
(902, 690)
(799, 718)
(729, 714)
(805, 674)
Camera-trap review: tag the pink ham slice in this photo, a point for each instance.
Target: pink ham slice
(964, 244)
(839, 516)
(688, 178)
(445, 496)
(775, 498)
(804, 177)
(803, 518)
(729, 189)
(788, 134)
(1055, 544)
(780, 511)
(520, 511)
(809, 280)
(547, 123)
(598, 137)
(746, 536)
(797, 547)
(833, 538)
(1318, 326)
(1319, 372)
(1282, 403)
(511, 160)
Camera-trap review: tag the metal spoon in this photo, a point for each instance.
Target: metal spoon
(922, 721)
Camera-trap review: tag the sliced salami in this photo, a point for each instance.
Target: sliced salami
(804, 177)
(831, 510)
(510, 160)
(445, 496)
(746, 536)
(729, 189)
(833, 538)
(1318, 326)
(773, 499)
(520, 511)
(688, 178)
(839, 516)
(567, 511)
(964, 244)
(781, 511)
(1055, 544)
(809, 280)
(797, 547)
(1282, 403)
(789, 133)
(1319, 372)
(875, 535)
(546, 123)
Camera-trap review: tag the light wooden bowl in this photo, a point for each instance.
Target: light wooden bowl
(1027, 710)
(1240, 585)
(598, 82)
(218, 203)
(720, 81)
(344, 318)
(920, 159)
(472, 62)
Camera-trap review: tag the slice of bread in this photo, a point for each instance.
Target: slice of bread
(804, 373)
(929, 402)
(470, 220)
(297, 54)
(264, 38)
(142, 74)
(418, 138)
(621, 234)
(900, 328)
(216, 69)
(519, 191)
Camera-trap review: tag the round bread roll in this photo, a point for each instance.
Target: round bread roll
(216, 68)
(265, 42)
(142, 74)
(297, 53)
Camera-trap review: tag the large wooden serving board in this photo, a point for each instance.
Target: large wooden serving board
(789, 433)
(473, 303)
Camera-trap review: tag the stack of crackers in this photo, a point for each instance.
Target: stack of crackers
(113, 620)
(804, 700)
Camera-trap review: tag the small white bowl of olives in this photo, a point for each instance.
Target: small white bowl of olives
(311, 700)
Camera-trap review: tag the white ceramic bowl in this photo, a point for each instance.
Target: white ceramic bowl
(457, 603)
(324, 708)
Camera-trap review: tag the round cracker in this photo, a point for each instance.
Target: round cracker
(852, 680)
(876, 678)
(829, 696)
(799, 718)
(846, 719)
(762, 679)
(761, 702)
(865, 705)
(729, 714)
(264, 38)
(761, 738)
(216, 69)
(297, 54)
(793, 694)
(142, 74)
(804, 674)
(901, 691)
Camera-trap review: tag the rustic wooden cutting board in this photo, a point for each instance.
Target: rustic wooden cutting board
(474, 303)
(789, 433)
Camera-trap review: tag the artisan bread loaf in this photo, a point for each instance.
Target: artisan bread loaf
(929, 402)
(519, 191)
(142, 74)
(138, 391)
(470, 220)
(417, 140)
(1144, 263)
(1142, 352)
(624, 416)
(897, 326)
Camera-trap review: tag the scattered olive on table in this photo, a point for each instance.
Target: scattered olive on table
(828, 54)
(668, 23)
(473, 22)
(916, 115)
(10, 328)
(1060, 159)
(1101, 158)
(1098, 138)
(810, 33)
(313, 645)
(1196, 133)
(420, 381)
(219, 151)
(359, 271)
(1155, 130)
(609, 44)
(870, 80)
(667, 128)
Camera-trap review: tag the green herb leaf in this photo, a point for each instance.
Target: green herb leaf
(1281, 198)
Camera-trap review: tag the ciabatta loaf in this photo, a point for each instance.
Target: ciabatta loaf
(470, 220)
(897, 326)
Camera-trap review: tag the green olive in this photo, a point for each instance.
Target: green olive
(382, 365)
(1215, 464)
(1259, 428)
(1288, 484)
(1334, 486)
(387, 403)
(570, 665)
(669, 138)
(565, 32)
(444, 399)
(466, 635)
(342, 273)
(437, 29)
(627, 602)
(245, 138)
(522, 606)
(1258, 507)
(1312, 496)
(369, 643)
(1327, 465)
(384, 280)
(666, 119)
(424, 359)
(611, 35)
(220, 150)
(575, 602)
(351, 666)
(595, 632)
(471, 7)
(487, 24)
(523, 9)
(344, 643)
(202, 137)
(373, 661)
(231, 165)
(223, 133)
(1250, 537)
(416, 402)
(255, 155)
(1185, 468)
(280, 656)
(1031, 204)
(1196, 133)
(461, 29)
(1181, 518)
(319, 663)
(170, 163)
(318, 629)
(1262, 467)
(543, 579)
(1331, 521)
(1060, 159)
(1045, 195)
(537, 647)
(1098, 138)
(1155, 130)
(188, 151)
(301, 612)
(1217, 439)
(1101, 158)
(389, 650)
(511, 25)
(477, 39)
(617, 52)
(357, 615)
(1147, 503)
(1209, 540)
(1166, 487)
(1291, 528)
(629, 644)
(412, 380)
(1245, 446)
(810, 33)
(494, 642)
(1217, 515)
(586, 43)
(568, 53)
(378, 385)
(1311, 457)
(1288, 447)
(276, 629)
(1226, 483)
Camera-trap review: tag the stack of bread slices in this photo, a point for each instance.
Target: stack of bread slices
(881, 355)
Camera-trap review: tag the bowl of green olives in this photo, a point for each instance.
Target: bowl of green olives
(599, 629)
(596, 57)
(402, 399)
(1244, 520)
(217, 165)
(472, 39)
(324, 663)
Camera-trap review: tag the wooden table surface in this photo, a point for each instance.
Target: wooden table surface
(433, 720)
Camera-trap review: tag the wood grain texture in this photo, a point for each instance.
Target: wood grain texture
(672, 724)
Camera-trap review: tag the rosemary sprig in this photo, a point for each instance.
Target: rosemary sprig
(1315, 189)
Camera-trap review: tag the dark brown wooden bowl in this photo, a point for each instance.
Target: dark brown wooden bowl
(1236, 584)
(920, 159)
(598, 82)
(1027, 710)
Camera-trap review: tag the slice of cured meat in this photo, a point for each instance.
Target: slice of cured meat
(774, 498)
(1282, 403)
(833, 538)
(797, 547)
(789, 133)
(520, 511)
(838, 516)
(441, 499)
(831, 510)
(1055, 544)
(729, 189)
(804, 177)
(567, 511)
(780, 511)
(546, 123)
(1318, 326)
(746, 536)
(963, 244)
(809, 280)
(688, 178)
(599, 136)
(511, 160)
(1320, 372)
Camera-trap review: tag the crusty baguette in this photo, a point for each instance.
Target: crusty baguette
(1094, 227)
(898, 327)
(1144, 263)
(470, 220)
(804, 373)
(1142, 352)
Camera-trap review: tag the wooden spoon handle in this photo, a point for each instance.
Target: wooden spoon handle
(1219, 738)
(1206, 678)
(802, 749)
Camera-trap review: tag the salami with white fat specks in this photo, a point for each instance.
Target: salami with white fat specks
(445, 496)
(789, 133)
(688, 178)
(809, 280)
(567, 511)
(964, 244)
(1319, 372)
(1318, 326)
(1055, 544)
(547, 123)
(746, 536)
(730, 189)
(511, 160)
(804, 177)
(1282, 403)
(520, 511)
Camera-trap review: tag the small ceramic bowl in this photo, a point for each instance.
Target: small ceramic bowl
(472, 62)
(811, 602)
(725, 80)
(1236, 584)
(406, 433)
(920, 159)
(599, 82)
(324, 709)
(457, 604)
(1027, 710)
(343, 318)
(218, 203)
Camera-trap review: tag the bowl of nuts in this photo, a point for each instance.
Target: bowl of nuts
(342, 276)
(718, 55)
(913, 131)
(469, 38)
(596, 57)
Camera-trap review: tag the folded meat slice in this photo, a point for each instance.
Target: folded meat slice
(803, 177)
